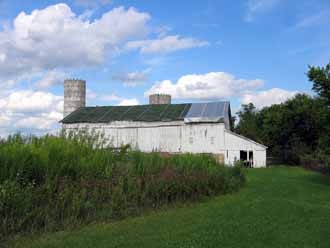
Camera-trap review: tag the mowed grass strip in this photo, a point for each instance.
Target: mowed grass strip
(279, 207)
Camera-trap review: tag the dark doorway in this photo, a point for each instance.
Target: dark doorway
(243, 155)
(244, 158)
(251, 155)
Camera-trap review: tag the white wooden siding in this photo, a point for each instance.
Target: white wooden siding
(176, 136)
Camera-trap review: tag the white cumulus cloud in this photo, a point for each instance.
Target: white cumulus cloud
(165, 44)
(55, 37)
(268, 97)
(129, 102)
(111, 97)
(316, 19)
(131, 79)
(213, 85)
(92, 95)
(255, 7)
(39, 123)
(92, 3)
(33, 110)
(4, 119)
(29, 101)
(51, 78)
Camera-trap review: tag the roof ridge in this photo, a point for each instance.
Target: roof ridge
(104, 106)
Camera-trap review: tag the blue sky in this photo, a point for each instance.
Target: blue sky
(243, 51)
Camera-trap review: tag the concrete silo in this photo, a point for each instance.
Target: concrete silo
(74, 95)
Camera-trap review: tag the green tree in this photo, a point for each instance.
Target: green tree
(320, 76)
(248, 122)
(295, 128)
(290, 130)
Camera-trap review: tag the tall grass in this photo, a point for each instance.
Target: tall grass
(49, 183)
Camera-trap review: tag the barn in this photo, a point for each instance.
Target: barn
(162, 126)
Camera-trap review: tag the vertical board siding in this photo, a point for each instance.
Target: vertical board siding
(176, 136)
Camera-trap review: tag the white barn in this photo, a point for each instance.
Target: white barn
(164, 127)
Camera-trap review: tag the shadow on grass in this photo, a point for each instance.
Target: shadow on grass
(317, 178)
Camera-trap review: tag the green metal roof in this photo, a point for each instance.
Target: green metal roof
(148, 113)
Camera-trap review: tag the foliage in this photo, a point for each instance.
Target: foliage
(49, 183)
(248, 124)
(290, 129)
(296, 128)
(320, 76)
(317, 161)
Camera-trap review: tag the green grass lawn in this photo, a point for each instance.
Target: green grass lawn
(279, 207)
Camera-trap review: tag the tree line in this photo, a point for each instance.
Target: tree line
(296, 128)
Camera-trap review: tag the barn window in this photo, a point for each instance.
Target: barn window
(212, 140)
(191, 140)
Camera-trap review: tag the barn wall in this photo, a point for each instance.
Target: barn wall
(202, 138)
(176, 136)
(235, 143)
(160, 136)
(260, 158)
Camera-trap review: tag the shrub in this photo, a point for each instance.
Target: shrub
(317, 161)
(50, 182)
